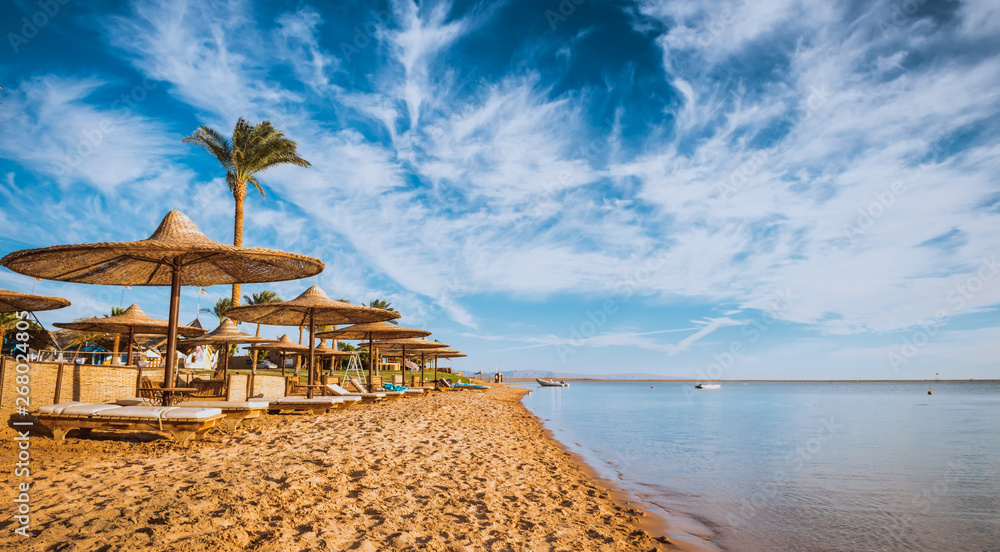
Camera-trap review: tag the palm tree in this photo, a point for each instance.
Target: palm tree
(220, 308)
(253, 149)
(262, 298)
(116, 311)
(384, 305)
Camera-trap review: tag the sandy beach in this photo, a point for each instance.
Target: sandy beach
(455, 471)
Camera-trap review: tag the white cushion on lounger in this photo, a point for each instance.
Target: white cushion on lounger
(75, 408)
(253, 404)
(88, 409)
(55, 408)
(341, 391)
(185, 412)
(350, 398)
(303, 400)
(158, 412)
(132, 401)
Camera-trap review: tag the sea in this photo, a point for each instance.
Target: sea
(812, 467)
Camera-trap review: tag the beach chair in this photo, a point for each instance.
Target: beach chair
(358, 384)
(146, 383)
(407, 392)
(181, 423)
(315, 405)
(209, 387)
(236, 412)
(365, 397)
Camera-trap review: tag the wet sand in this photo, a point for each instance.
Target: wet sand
(455, 471)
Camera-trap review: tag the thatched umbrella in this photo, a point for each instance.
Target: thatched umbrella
(371, 332)
(435, 354)
(177, 254)
(420, 345)
(324, 350)
(309, 309)
(133, 321)
(226, 334)
(283, 346)
(443, 353)
(13, 301)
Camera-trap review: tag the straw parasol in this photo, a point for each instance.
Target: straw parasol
(325, 351)
(283, 345)
(226, 334)
(371, 332)
(443, 353)
(177, 254)
(309, 309)
(133, 321)
(421, 345)
(13, 301)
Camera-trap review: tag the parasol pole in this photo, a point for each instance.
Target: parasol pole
(312, 353)
(138, 374)
(423, 365)
(175, 306)
(402, 365)
(371, 358)
(435, 369)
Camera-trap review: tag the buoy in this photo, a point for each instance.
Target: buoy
(651, 387)
(930, 392)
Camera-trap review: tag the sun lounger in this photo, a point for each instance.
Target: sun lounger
(316, 405)
(365, 397)
(350, 401)
(388, 394)
(444, 385)
(407, 391)
(180, 422)
(471, 386)
(236, 411)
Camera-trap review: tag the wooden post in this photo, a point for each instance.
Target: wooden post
(59, 378)
(175, 304)
(312, 353)
(371, 358)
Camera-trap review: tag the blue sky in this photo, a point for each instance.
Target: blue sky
(788, 189)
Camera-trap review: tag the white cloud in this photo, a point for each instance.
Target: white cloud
(75, 141)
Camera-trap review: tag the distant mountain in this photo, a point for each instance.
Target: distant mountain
(531, 374)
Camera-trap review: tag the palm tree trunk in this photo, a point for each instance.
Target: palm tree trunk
(253, 355)
(239, 195)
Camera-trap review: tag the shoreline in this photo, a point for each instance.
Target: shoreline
(454, 471)
(601, 380)
(681, 530)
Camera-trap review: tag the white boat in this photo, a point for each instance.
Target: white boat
(708, 386)
(551, 383)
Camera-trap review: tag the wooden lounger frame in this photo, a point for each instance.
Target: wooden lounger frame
(315, 408)
(181, 429)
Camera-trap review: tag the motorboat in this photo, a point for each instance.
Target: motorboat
(551, 383)
(708, 386)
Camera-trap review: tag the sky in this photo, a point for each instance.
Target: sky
(705, 190)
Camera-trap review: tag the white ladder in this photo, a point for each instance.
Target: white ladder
(354, 366)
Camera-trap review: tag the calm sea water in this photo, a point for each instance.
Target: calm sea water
(798, 466)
